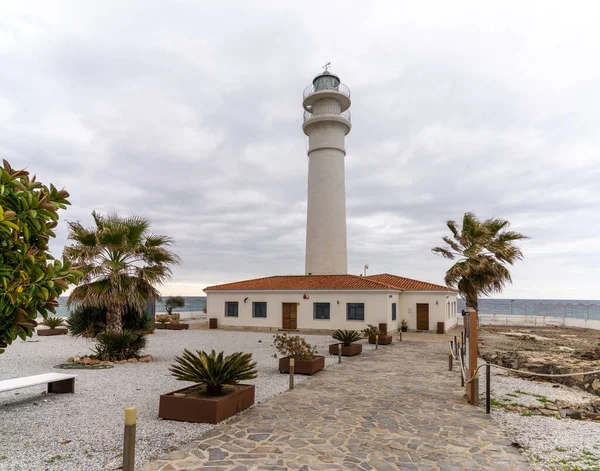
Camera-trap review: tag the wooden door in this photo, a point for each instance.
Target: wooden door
(422, 316)
(290, 316)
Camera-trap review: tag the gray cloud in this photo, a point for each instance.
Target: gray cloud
(190, 115)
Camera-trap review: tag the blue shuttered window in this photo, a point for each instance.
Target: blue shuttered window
(321, 310)
(393, 311)
(259, 309)
(356, 311)
(231, 308)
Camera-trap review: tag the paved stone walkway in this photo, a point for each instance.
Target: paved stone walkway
(394, 408)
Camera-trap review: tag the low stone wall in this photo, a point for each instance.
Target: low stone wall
(541, 321)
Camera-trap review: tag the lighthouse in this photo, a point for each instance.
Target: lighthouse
(326, 123)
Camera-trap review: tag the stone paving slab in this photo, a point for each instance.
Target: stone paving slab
(397, 408)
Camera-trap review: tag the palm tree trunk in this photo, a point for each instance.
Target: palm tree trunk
(472, 302)
(114, 320)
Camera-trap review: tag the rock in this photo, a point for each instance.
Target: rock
(573, 414)
(145, 359)
(120, 362)
(550, 406)
(547, 412)
(556, 385)
(71, 359)
(596, 384)
(132, 360)
(76, 359)
(87, 361)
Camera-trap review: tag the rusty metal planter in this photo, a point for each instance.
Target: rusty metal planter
(383, 340)
(302, 367)
(178, 326)
(205, 409)
(347, 351)
(47, 332)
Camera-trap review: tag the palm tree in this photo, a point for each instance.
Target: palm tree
(122, 262)
(482, 250)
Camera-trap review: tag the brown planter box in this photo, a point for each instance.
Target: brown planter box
(47, 332)
(382, 340)
(158, 325)
(404, 329)
(302, 367)
(205, 409)
(212, 323)
(178, 326)
(349, 351)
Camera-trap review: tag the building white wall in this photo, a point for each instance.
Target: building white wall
(440, 308)
(378, 308)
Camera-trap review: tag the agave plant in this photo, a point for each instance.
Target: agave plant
(53, 322)
(214, 370)
(347, 337)
(113, 346)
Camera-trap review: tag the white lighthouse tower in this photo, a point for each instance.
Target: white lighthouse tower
(326, 123)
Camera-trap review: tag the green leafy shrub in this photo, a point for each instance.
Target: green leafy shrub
(403, 323)
(214, 370)
(294, 346)
(113, 346)
(53, 322)
(30, 278)
(88, 322)
(175, 318)
(347, 337)
(163, 318)
(371, 331)
(172, 302)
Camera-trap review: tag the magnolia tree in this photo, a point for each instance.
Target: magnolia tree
(30, 278)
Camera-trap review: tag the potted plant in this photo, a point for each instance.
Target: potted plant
(404, 325)
(346, 337)
(217, 393)
(53, 324)
(175, 323)
(161, 321)
(371, 332)
(306, 360)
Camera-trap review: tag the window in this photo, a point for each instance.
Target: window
(259, 309)
(393, 311)
(321, 310)
(231, 308)
(356, 311)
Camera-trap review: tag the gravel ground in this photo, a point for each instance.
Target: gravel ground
(84, 431)
(548, 442)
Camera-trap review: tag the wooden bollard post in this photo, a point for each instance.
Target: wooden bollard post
(488, 387)
(376, 341)
(339, 352)
(449, 361)
(129, 439)
(291, 373)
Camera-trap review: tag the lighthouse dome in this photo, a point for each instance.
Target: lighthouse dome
(326, 81)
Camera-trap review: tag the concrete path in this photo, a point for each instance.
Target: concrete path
(394, 408)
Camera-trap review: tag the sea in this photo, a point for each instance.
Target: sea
(192, 304)
(573, 308)
(579, 309)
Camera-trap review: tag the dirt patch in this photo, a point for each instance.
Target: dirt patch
(550, 350)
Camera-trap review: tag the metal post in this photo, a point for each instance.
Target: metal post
(455, 347)
(462, 376)
(376, 342)
(129, 439)
(488, 392)
(339, 352)
(291, 373)
(449, 361)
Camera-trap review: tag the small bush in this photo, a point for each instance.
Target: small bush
(403, 323)
(371, 330)
(214, 370)
(163, 318)
(175, 318)
(53, 322)
(172, 302)
(112, 346)
(294, 346)
(347, 337)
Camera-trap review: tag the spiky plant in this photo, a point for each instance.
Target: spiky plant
(88, 322)
(482, 250)
(214, 370)
(347, 337)
(163, 318)
(53, 322)
(113, 346)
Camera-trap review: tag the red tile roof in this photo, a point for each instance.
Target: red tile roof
(407, 284)
(327, 282)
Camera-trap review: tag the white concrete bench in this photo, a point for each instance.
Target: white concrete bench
(57, 382)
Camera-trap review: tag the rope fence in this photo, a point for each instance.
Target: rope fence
(457, 353)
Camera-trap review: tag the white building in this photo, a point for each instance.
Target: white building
(327, 297)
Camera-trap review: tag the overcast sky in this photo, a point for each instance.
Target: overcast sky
(189, 113)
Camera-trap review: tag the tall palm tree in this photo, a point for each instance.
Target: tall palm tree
(482, 250)
(121, 261)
